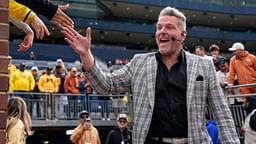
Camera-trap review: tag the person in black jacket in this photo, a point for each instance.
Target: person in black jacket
(120, 134)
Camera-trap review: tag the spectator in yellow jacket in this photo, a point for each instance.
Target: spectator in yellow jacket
(48, 82)
(22, 80)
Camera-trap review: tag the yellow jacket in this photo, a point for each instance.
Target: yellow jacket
(21, 81)
(11, 68)
(48, 83)
(20, 12)
(15, 134)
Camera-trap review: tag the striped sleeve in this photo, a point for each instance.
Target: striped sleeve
(20, 12)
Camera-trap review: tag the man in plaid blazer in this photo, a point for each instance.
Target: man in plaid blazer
(140, 77)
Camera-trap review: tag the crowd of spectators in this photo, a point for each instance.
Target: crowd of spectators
(70, 85)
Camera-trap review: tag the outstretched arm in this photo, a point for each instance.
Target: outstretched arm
(22, 13)
(81, 45)
(52, 12)
(39, 27)
(28, 40)
(60, 19)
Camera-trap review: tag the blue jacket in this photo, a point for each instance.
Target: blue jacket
(213, 131)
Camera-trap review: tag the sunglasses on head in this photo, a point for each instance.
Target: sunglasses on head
(85, 116)
(122, 121)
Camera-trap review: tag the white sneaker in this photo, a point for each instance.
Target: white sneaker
(108, 119)
(103, 119)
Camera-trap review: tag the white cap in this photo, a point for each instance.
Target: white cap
(34, 68)
(59, 60)
(122, 116)
(237, 46)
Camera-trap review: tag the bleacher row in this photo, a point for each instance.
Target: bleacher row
(51, 52)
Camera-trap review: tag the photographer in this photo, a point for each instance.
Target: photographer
(85, 132)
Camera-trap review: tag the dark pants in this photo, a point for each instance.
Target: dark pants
(37, 101)
(26, 97)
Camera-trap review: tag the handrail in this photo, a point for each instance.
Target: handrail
(241, 95)
(243, 85)
(65, 106)
(49, 107)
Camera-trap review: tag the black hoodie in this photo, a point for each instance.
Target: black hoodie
(116, 136)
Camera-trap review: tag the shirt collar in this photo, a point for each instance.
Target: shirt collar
(181, 58)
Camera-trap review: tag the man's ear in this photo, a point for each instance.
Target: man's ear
(184, 33)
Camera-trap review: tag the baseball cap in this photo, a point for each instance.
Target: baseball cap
(22, 64)
(214, 46)
(237, 46)
(122, 116)
(84, 112)
(34, 68)
(59, 60)
(49, 68)
(222, 61)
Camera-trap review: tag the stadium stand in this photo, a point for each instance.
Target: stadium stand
(122, 28)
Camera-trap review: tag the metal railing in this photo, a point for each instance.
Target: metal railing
(236, 105)
(53, 106)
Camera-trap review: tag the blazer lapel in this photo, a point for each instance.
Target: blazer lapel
(151, 69)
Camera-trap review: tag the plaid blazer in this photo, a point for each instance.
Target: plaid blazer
(139, 78)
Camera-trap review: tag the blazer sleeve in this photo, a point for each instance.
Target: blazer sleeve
(218, 104)
(116, 82)
(43, 7)
(20, 12)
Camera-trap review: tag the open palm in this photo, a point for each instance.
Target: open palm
(81, 44)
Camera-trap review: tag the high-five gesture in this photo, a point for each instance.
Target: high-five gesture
(80, 44)
(60, 19)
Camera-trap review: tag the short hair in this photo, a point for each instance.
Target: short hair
(200, 47)
(171, 11)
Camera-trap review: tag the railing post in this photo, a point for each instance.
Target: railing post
(52, 104)
(46, 102)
